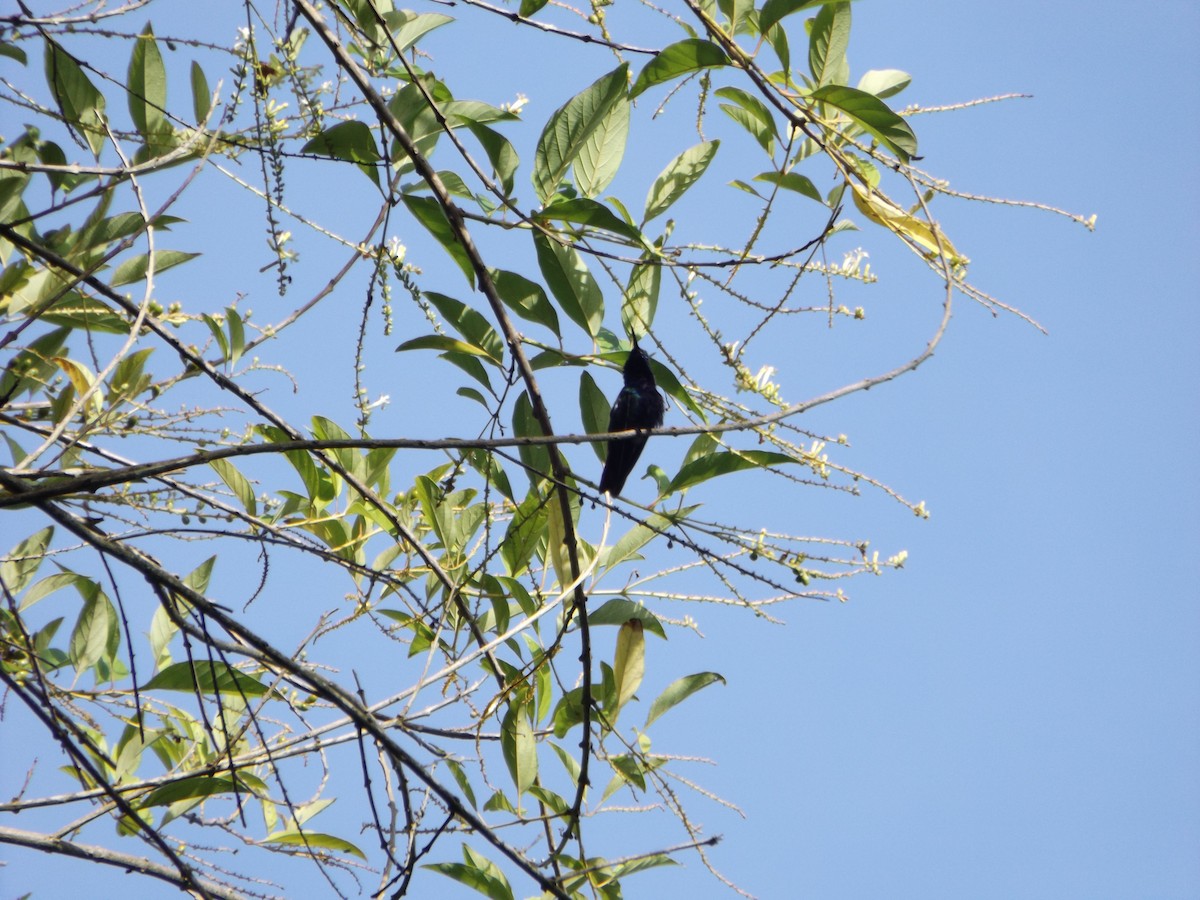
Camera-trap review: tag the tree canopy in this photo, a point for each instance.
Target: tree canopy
(314, 318)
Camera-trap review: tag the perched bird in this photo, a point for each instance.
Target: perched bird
(639, 405)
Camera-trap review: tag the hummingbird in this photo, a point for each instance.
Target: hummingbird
(639, 405)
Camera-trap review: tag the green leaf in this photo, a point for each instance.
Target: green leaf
(752, 114)
(680, 58)
(629, 662)
(529, 7)
(207, 677)
(487, 880)
(678, 691)
(526, 298)
(135, 269)
(525, 530)
(147, 83)
(873, 115)
(593, 410)
(716, 464)
(535, 457)
(429, 213)
(470, 324)
(33, 367)
(641, 298)
(573, 286)
(571, 126)
(620, 610)
(792, 181)
(884, 82)
(316, 839)
(519, 745)
(679, 175)
(96, 636)
(188, 789)
(236, 482)
(500, 154)
(460, 776)
(85, 314)
(775, 10)
(202, 99)
(23, 561)
(407, 27)
(82, 106)
(12, 51)
(827, 44)
(445, 342)
(601, 154)
(585, 211)
(351, 141)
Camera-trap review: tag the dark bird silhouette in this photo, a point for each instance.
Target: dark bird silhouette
(639, 405)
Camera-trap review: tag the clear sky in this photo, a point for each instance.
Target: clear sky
(1017, 712)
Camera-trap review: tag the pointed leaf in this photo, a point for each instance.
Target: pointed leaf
(593, 410)
(629, 662)
(716, 464)
(874, 116)
(792, 181)
(678, 691)
(774, 10)
(351, 141)
(526, 298)
(147, 83)
(236, 482)
(585, 211)
(828, 42)
(679, 175)
(680, 58)
(429, 213)
(571, 126)
(601, 154)
(569, 280)
(882, 212)
(207, 678)
(82, 106)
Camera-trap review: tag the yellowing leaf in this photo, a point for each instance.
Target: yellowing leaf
(629, 663)
(883, 212)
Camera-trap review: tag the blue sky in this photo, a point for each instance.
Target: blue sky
(1017, 712)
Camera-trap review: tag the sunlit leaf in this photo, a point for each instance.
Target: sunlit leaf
(315, 839)
(678, 691)
(827, 44)
(679, 175)
(601, 154)
(207, 677)
(629, 661)
(882, 212)
(792, 181)
(884, 82)
(147, 84)
(680, 58)
(571, 126)
(873, 115)
(236, 482)
(724, 463)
